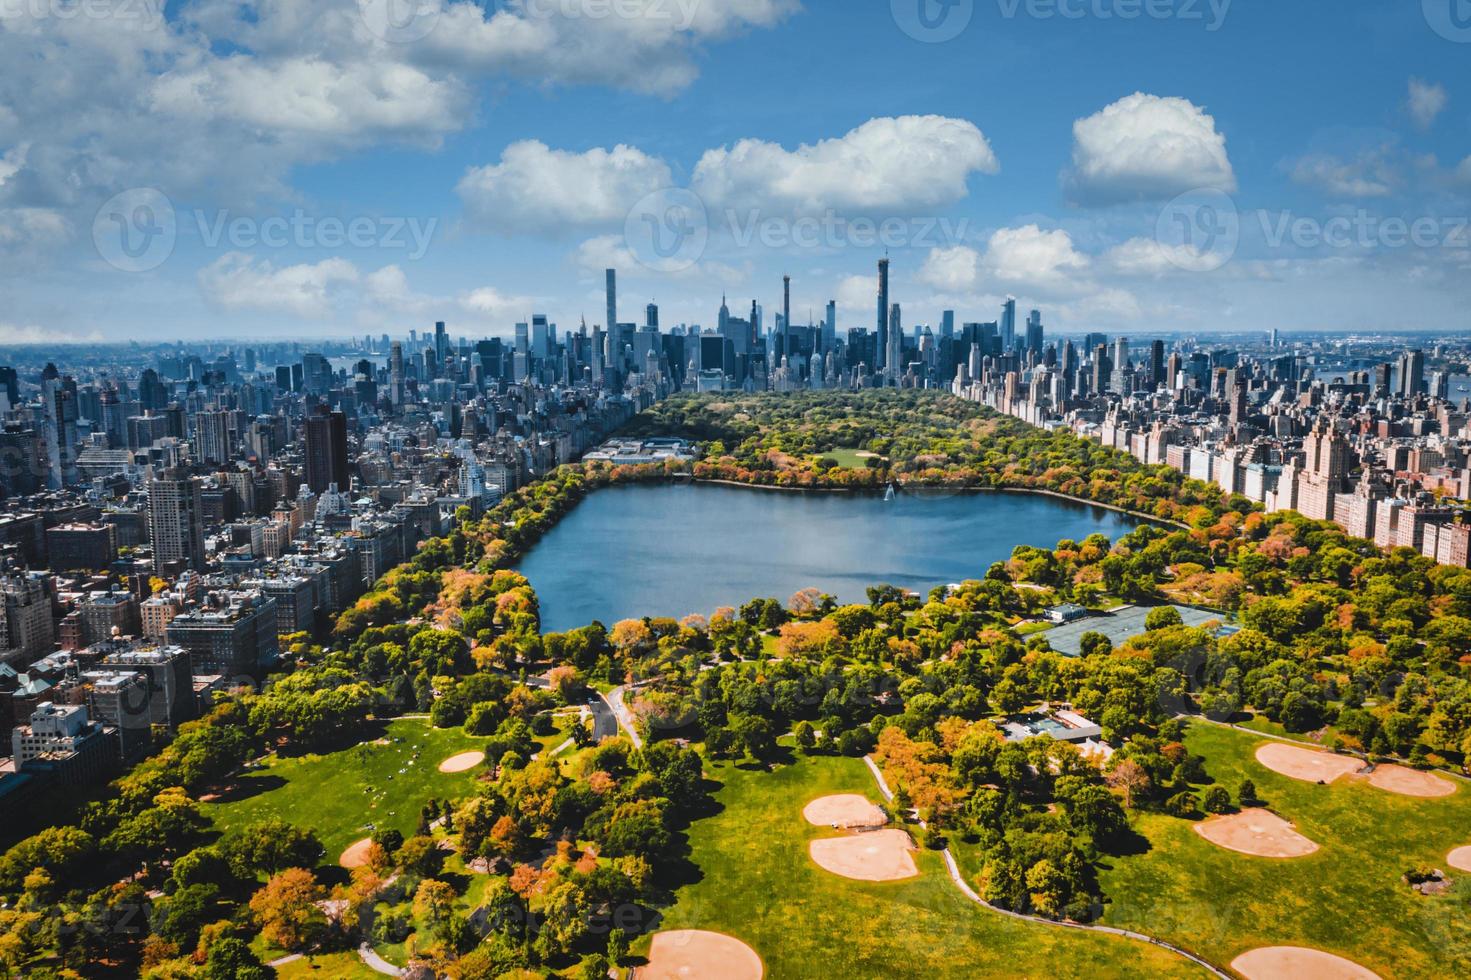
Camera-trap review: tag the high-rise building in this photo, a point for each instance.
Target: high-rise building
(326, 451)
(176, 522)
(1035, 338)
(883, 319)
(894, 358)
(1008, 326)
(212, 437)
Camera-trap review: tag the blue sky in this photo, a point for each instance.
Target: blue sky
(1299, 164)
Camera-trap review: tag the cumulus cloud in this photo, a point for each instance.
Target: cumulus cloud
(1146, 148)
(1026, 257)
(541, 190)
(1148, 257)
(1370, 173)
(1426, 102)
(887, 165)
(243, 91)
(237, 281)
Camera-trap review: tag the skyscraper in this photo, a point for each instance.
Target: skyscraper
(786, 316)
(883, 319)
(1008, 326)
(612, 289)
(894, 359)
(176, 522)
(326, 451)
(396, 374)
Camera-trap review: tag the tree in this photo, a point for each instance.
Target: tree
(434, 905)
(1130, 778)
(617, 946)
(1163, 617)
(1216, 800)
(286, 909)
(1247, 793)
(270, 846)
(233, 959)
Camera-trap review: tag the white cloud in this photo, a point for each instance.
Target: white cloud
(887, 165)
(492, 304)
(22, 228)
(1144, 147)
(1426, 102)
(1148, 257)
(1372, 173)
(604, 252)
(1463, 172)
(14, 334)
(540, 190)
(238, 282)
(1025, 258)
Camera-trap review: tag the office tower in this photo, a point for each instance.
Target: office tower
(830, 326)
(441, 343)
(396, 373)
(212, 437)
(883, 318)
(176, 522)
(10, 384)
(1034, 332)
(1412, 373)
(1008, 326)
(894, 359)
(1157, 363)
(612, 293)
(651, 316)
(947, 325)
(326, 451)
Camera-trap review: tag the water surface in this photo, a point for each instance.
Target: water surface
(662, 550)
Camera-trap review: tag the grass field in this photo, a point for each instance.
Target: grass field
(849, 459)
(1347, 898)
(756, 882)
(339, 794)
(330, 966)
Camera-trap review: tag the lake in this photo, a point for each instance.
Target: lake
(672, 550)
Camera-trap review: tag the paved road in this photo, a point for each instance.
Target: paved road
(604, 722)
(378, 963)
(623, 715)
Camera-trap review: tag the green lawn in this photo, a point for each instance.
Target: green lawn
(339, 794)
(850, 459)
(330, 966)
(1347, 898)
(756, 882)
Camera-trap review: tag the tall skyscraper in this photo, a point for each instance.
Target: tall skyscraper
(786, 317)
(176, 522)
(441, 342)
(326, 451)
(212, 437)
(883, 318)
(1008, 326)
(1035, 339)
(396, 374)
(612, 290)
(894, 359)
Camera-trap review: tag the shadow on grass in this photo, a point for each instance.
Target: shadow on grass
(245, 788)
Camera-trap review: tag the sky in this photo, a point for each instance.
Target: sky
(276, 168)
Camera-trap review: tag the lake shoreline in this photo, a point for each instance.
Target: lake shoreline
(1138, 514)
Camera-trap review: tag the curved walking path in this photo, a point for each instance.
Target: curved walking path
(378, 963)
(970, 893)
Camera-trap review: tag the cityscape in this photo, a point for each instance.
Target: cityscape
(652, 490)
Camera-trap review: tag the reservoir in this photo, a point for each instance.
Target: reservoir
(664, 550)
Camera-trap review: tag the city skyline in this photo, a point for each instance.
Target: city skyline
(532, 170)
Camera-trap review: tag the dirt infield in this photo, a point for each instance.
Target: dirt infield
(463, 762)
(356, 855)
(845, 810)
(1298, 963)
(1259, 833)
(694, 955)
(1410, 782)
(1460, 859)
(1306, 764)
(884, 855)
